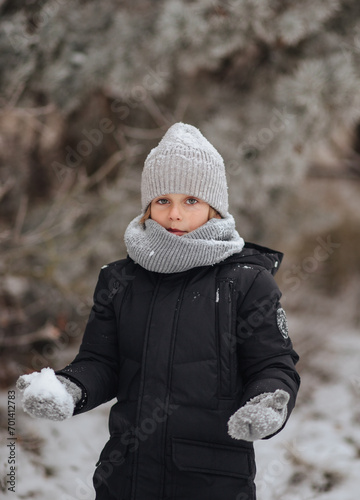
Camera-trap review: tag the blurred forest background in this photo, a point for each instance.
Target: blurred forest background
(87, 88)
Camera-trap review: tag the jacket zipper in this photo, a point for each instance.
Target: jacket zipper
(232, 346)
(170, 367)
(226, 344)
(141, 391)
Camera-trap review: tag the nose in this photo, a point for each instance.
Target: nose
(175, 213)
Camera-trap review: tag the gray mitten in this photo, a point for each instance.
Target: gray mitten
(260, 417)
(47, 395)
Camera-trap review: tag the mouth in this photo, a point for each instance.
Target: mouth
(178, 232)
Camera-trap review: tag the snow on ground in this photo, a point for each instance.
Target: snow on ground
(55, 460)
(317, 455)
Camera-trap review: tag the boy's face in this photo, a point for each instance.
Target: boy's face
(179, 213)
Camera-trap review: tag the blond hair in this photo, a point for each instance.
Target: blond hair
(213, 214)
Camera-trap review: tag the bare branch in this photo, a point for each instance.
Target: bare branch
(6, 187)
(105, 169)
(322, 173)
(38, 111)
(156, 113)
(181, 108)
(141, 133)
(18, 90)
(48, 332)
(20, 217)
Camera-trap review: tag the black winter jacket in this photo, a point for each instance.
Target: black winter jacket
(181, 353)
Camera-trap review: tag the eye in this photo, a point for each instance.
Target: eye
(162, 201)
(191, 201)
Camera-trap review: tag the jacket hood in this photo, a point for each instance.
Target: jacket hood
(259, 256)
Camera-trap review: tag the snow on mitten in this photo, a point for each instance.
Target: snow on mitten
(260, 417)
(47, 395)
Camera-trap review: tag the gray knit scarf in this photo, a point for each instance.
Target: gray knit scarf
(155, 249)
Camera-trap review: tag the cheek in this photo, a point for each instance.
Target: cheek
(201, 216)
(156, 213)
(206, 212)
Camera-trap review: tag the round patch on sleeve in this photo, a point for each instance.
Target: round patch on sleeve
(282, 322)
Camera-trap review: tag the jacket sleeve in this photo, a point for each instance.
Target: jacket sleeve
(95, 368)
(265, 352)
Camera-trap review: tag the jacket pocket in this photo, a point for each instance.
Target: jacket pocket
(226, 337)
(197, 456)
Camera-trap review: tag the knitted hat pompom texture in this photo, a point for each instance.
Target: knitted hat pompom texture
(185, 162)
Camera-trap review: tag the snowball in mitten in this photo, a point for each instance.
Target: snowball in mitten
(48, 396)
(262, 416)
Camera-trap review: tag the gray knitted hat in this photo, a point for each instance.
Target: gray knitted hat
(185, 162)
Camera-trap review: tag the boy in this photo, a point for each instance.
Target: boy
(188, 334)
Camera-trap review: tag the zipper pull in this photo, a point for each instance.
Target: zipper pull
(230, 291)
(114, 290)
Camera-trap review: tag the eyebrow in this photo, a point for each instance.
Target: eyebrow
(186, 196)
